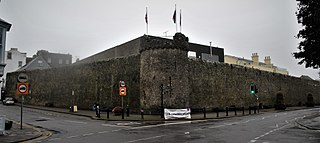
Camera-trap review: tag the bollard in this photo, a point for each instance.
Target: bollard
(122, 113)
(141, 111)
(162, 113)
(128, 112)
(249, 110)
(217, 110)
(227, 111)
(204, 113)
(98, 111)
(108, 113)
(243, 111)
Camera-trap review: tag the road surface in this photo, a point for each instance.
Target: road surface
(268, 127)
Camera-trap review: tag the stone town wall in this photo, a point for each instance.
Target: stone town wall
(164, 62)
(220, 85)
(95, 82)
(194, 83)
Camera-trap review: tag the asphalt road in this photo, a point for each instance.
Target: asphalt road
(262, 128)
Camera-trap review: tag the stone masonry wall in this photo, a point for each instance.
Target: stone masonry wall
(95, 82)
(220, 85)
(194, 83)
(164, 62)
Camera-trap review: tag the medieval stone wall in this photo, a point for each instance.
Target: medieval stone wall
(95, 82)
(164, 63)
(188, 83)
(220, 85)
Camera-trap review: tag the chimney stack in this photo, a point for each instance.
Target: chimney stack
(255, 58)
(267, 60)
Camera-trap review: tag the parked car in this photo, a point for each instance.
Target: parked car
(8, 101)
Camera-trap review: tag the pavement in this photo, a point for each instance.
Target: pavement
(32, 133)
(15, 134)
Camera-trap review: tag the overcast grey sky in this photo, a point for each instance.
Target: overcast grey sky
(85, 27)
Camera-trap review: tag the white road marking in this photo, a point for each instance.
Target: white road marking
(72, 137)
(145, 139)
(109, 125)
(287, 121)
(267, 133)
(102, 132)
(116, 130)
(159, 125)
(218, 126)
(248, 121)
(88, 134)
(78, 122)
(130, 123)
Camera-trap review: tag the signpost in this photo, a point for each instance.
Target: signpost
(122, 92)
(22, 89)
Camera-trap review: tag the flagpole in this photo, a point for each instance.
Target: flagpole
(180, 21)
(175, 9)
(147, 22)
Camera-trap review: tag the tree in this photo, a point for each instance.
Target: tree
(308, 16)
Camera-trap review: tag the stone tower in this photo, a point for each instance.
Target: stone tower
(164, 62)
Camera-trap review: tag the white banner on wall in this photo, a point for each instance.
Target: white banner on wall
(177, 113)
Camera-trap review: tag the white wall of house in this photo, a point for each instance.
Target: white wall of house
(14, 60)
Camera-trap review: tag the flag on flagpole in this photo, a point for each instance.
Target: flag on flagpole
(146, 16)
(180, 18)
(180, 21)
(174, 17)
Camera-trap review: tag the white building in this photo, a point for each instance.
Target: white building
(14, 60)
(4, 28)
(254, 63)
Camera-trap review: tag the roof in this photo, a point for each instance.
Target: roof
(134, 47)
(5, 24)
(34, 64)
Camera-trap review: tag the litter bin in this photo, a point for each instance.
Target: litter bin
(73, 108)
(8, 124)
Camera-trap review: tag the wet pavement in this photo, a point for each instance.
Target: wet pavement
(15, 134)
(311, 122)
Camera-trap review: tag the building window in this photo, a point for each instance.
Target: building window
(9, 56)
(60, 61)
(40, 63)
(67, 62)
(20, 64)
(49, 60)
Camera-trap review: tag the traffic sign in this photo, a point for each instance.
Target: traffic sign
(22, 77)
(122, 91)
(122, 83)
(22, 88)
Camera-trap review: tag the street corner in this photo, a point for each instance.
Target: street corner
(16, 134)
